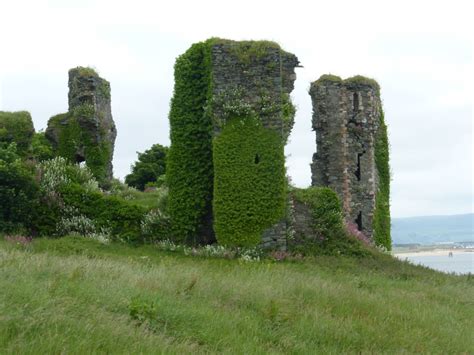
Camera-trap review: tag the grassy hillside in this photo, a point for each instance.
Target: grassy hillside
(77, 296)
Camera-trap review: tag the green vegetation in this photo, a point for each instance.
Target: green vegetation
(85, 71)
(362, 80)
(75, 295)
(73, 139)
(381, 221)
(151, 165)
(18, 191)
(329, 77)
(249, 182)
(16, 127)
(41, 148)
(329, 236)
(189, 170)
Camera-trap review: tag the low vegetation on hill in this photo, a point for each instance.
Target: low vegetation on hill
(76, 295)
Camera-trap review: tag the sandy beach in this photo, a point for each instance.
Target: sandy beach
(403, 254)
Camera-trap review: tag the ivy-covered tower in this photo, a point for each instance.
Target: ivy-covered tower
(352, 151)
(230, 117)
(86, 133)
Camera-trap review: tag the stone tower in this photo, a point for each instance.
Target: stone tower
(86, 133)
(235, 97)
(347, 117)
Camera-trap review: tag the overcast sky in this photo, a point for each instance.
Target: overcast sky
(419, 51)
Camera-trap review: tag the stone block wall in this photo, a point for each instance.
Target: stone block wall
(256, 79)
(253, 76)
(346, 117)
(87, 131)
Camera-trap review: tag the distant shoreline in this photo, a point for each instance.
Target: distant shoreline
(434, 252)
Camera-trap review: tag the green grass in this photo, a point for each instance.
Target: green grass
(77, 296)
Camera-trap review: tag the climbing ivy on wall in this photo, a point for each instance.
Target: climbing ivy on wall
(16, 127)
(381, 221)
(189, 166)
(249, 184)
(73, 139)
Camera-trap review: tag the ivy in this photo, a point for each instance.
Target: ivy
(249, 183)
(189, 166)
(381, 220)
(74, 140)
(329, 236)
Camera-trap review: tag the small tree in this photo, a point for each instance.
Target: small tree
(150, 166)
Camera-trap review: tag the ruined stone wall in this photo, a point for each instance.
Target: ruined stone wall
(346, 118)
(255, 79)
(87, 131)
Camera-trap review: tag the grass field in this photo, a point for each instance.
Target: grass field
(76, 296)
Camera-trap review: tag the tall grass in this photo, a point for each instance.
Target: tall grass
(78, 296)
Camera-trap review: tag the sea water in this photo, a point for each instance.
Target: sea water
(459, 263)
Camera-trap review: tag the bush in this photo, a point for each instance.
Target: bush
(155, 226)
(151, 165)
(16, 127)
(123, 219)
(18, 192)
(329, 233)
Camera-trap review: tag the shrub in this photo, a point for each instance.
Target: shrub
(151, 165)
(122, 218)
(18, 192)
(329, 233)
(155, 226)
(16, 127)
(41, 148)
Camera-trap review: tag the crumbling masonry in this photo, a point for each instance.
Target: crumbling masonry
(86, 133)
(346, 118)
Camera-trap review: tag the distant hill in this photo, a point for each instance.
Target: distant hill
(433, 229)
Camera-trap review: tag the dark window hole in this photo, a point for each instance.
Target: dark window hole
(356, 102)
(358, 172)
(358, 221)
(257, 158)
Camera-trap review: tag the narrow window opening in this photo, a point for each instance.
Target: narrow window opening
(257, 158)
(356, 102)
(358, 172)
(358, 221)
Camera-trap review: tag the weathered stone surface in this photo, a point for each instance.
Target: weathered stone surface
(87, 131)
(346, 120)
(254, 78)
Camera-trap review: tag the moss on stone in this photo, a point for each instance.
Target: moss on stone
(362, 80)
(85, 71)
(330, 78)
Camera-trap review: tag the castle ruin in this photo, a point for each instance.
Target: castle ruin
(347, 118)
(86, 133)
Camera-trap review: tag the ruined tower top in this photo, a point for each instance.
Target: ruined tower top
(348, 120)
(87, 131)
